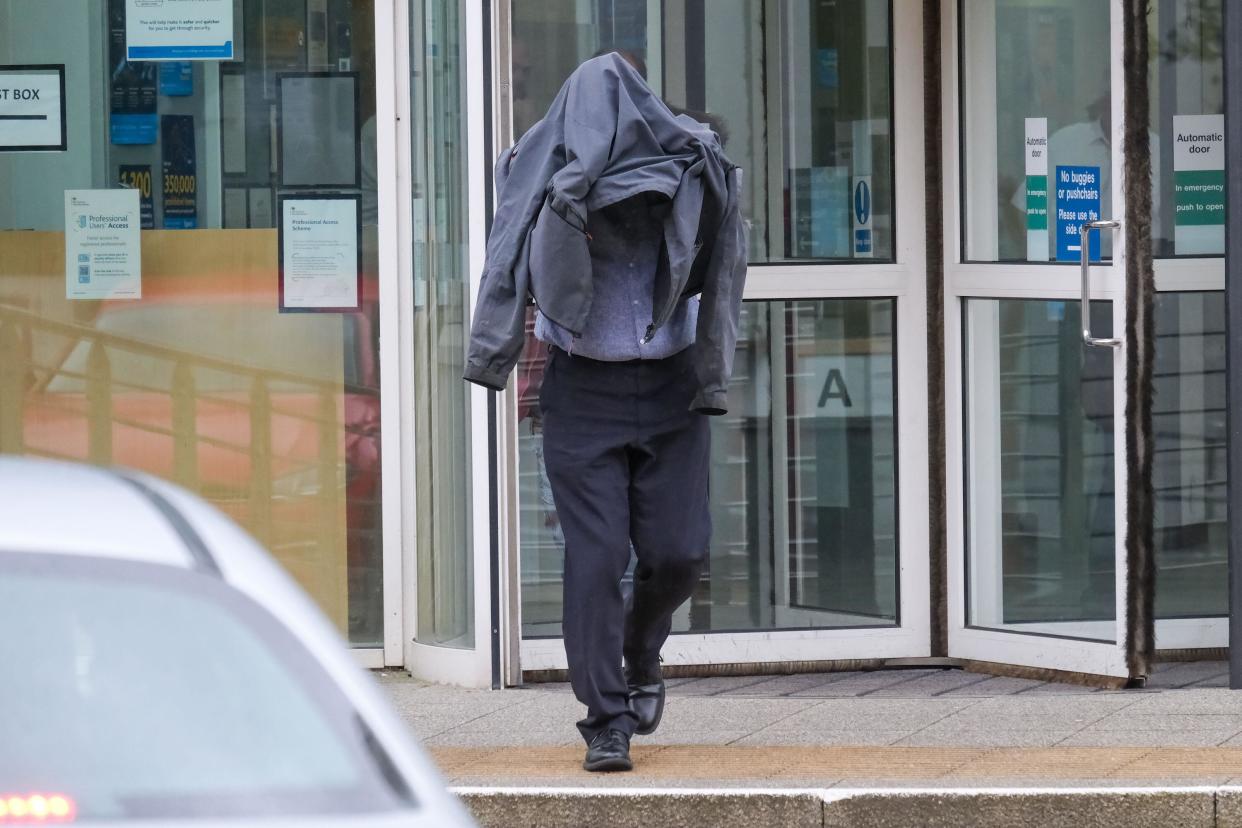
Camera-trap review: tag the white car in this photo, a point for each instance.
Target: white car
(156, 665)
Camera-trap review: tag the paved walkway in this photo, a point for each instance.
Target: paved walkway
(898, 728)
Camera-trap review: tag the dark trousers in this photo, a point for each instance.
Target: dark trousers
(628, 463)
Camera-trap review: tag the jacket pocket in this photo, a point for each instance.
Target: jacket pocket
(560, 268)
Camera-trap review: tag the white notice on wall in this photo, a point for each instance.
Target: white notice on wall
(1199, 185)
(1036, 149)
(179, 29)
(319, 250)
(32, 114)
(103, 248)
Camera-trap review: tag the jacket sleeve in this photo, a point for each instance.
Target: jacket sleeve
(720, 306)
(499, 328)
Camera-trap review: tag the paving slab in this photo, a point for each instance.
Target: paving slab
(833, 737)
(712, 686)
(870, 713)
(1143, 738)
(1190, 700)
(1094, 705)
(1186, 673)
(947, 734)
(772, 686)
(996, 686)
(1227, 724)
(933, 684)
(861, 684)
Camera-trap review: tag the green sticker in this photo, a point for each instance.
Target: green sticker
(1037, 202)
(1200, 197)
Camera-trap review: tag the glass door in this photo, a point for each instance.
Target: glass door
(1037, 497)
(1189, 464)
(818, 473)
(1035, 431)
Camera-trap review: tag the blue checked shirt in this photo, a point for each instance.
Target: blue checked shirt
(625, 248)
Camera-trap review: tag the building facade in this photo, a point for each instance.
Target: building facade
(922, 457)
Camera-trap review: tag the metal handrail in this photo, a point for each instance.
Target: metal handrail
(175, 355)
(1085, 257)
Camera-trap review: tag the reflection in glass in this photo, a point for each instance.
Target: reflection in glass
(806, 114)
(441, 421)
(272, 417)
(1039, 442)
(1042, 60)
(842, 462)
(803, 484)
(1189, 469)
(1045, 60)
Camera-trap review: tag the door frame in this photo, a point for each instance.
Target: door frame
(905, 281)
(465, 666)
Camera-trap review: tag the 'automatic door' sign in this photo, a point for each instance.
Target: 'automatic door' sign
(1199, 184)
(32, 108)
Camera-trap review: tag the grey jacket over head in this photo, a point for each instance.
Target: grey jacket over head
(608, 137)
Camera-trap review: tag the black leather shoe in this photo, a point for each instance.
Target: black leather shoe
(647, 699)
(609, 751)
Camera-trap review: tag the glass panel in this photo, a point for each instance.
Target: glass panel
(1039, 443)
(1187, 106)
(272, 417)
(842, 451)
(441, 414)
(803, 480)
(1035, 96)
(1190, 464)
(1036, 78)
(800, 92)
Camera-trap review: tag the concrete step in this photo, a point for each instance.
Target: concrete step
(1165, 807)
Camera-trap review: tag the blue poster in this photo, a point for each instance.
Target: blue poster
(1078, 202)
(180, 185)
(177, 78)
(827, 72)
(829, 211)
(132, 115)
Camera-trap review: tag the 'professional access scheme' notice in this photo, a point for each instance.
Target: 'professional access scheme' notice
(103, 247)
(319, 253)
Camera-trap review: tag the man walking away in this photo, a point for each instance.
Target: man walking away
(622, 220)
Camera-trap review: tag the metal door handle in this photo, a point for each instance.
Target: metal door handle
(1084, 233)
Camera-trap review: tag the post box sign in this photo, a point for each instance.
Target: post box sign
(32, 109)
